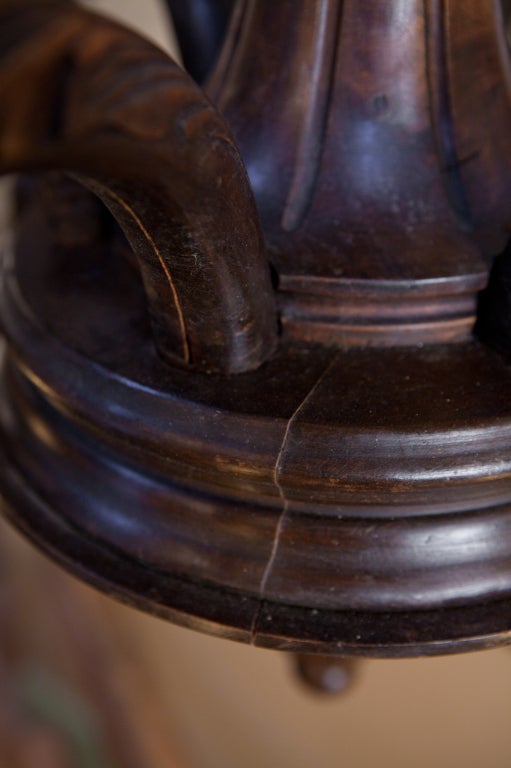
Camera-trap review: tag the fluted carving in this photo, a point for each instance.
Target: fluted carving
(383, 200)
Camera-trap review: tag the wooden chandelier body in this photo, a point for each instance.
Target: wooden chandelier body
(263, 387)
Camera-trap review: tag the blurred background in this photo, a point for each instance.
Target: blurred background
(88, 683)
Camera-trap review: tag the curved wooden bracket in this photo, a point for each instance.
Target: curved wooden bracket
(84, 95)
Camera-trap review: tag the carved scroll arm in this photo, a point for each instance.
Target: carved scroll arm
(84, 95)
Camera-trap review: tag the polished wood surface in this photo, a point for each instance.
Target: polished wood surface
(343, 488)
(160, 158)
(368, 172)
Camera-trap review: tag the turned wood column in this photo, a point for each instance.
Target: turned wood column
(382, 189)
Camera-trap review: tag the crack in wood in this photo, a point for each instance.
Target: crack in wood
(285, 501)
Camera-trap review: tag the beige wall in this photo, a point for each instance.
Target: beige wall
(232, 706)
(146, 14)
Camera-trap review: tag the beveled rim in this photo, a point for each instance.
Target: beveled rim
(313, 524)
(410, 461)
(202, 607)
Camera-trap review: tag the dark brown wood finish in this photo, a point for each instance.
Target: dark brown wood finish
(349, 491)
(358, 138)
(159, 157)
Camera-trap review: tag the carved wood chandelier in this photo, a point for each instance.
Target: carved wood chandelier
(281, 414)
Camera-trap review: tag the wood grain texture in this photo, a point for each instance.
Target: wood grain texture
(121, 115)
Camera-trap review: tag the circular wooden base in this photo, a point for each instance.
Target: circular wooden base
(350, 502)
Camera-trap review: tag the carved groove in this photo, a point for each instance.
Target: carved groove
(328, 14)
(441, 110)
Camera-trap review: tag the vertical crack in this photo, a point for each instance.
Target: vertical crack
(285, 501)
